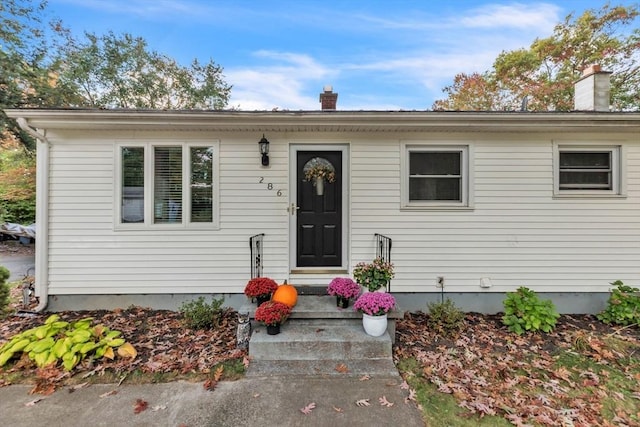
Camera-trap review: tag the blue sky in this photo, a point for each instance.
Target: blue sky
(377, 55)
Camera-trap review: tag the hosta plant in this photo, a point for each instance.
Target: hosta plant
(525, 311)
(623, 307)
(66, 342)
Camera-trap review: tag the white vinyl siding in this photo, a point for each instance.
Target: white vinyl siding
(517, 234)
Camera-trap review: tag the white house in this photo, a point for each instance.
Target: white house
(156, 207)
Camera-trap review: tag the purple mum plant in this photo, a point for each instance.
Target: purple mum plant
(343, 287)
(375, 303)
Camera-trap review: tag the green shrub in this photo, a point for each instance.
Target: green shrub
(445, 318)
(18, 211)
(524, 311)
(623, 306)
(200, 315)
(4, 290)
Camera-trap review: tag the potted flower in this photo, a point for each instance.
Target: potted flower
(374, 307)
(260, 288)
(375, 275)
(344, 288)
(272, 314)
(318, 170)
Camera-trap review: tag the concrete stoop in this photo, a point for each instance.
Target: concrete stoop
(320, 339)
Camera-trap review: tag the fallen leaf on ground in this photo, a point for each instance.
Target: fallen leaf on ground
(363, 402)
(109, 393)
(342, 368)
(158, 408)
(140, 406)
(78, 387)
(384, 402)
(308, 409)
(365, 377)
(337, 409)
(126, 350)
(34, 401)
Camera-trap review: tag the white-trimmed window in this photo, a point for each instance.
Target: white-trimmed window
(588, 170)
(435, 176)
(167, 185)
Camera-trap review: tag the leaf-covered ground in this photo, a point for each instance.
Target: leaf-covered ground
(584, 373)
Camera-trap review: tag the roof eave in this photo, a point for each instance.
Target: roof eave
(346, 121)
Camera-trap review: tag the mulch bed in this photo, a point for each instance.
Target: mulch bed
(491, 371)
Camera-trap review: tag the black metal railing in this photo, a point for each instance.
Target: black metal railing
(383, 251)
(255, 244)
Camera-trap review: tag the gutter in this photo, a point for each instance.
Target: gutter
(42, 213)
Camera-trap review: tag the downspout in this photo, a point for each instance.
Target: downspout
(42, 213)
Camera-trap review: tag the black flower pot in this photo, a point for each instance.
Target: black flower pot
(273, 329)
(342, 302)
(262, 298)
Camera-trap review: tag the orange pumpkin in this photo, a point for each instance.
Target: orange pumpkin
(286, 294)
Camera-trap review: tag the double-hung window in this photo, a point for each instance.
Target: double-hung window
(588, 170)
(166, 184)
(435, 176)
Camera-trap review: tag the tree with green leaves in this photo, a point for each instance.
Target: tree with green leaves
(27, 61)
(546, 72)
(119, 71)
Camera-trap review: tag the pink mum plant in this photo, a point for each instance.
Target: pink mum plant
(375, 303)
(343, 287)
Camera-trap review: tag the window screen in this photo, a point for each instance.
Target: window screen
(586, 170)
(201, 183)
(435, 176)
(132, 191)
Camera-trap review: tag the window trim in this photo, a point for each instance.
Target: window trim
(149, 180)
(466, 170)
(618, 175)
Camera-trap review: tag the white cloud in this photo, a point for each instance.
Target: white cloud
(279, 85)
(541, 16)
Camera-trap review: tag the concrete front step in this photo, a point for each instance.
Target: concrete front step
(318, 342)
(375, 368)
(321, 307)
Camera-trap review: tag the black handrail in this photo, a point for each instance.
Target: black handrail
(383, 251)
(255, 245)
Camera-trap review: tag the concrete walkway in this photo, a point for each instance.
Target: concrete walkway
(263, 402)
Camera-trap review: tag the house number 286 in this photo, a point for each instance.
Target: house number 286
(270, 186)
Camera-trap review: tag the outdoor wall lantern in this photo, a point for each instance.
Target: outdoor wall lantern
(264, 150)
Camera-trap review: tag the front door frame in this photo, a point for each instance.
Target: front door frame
(293, 182)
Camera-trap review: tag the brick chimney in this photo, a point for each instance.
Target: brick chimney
(328, 99)
(593, 90)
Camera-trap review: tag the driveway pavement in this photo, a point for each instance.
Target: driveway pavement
(261, 402)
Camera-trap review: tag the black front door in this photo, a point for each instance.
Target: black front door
(319, 216)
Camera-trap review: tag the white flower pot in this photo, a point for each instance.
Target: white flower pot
(374, 325)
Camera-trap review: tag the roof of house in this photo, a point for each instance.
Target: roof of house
(328, 121)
